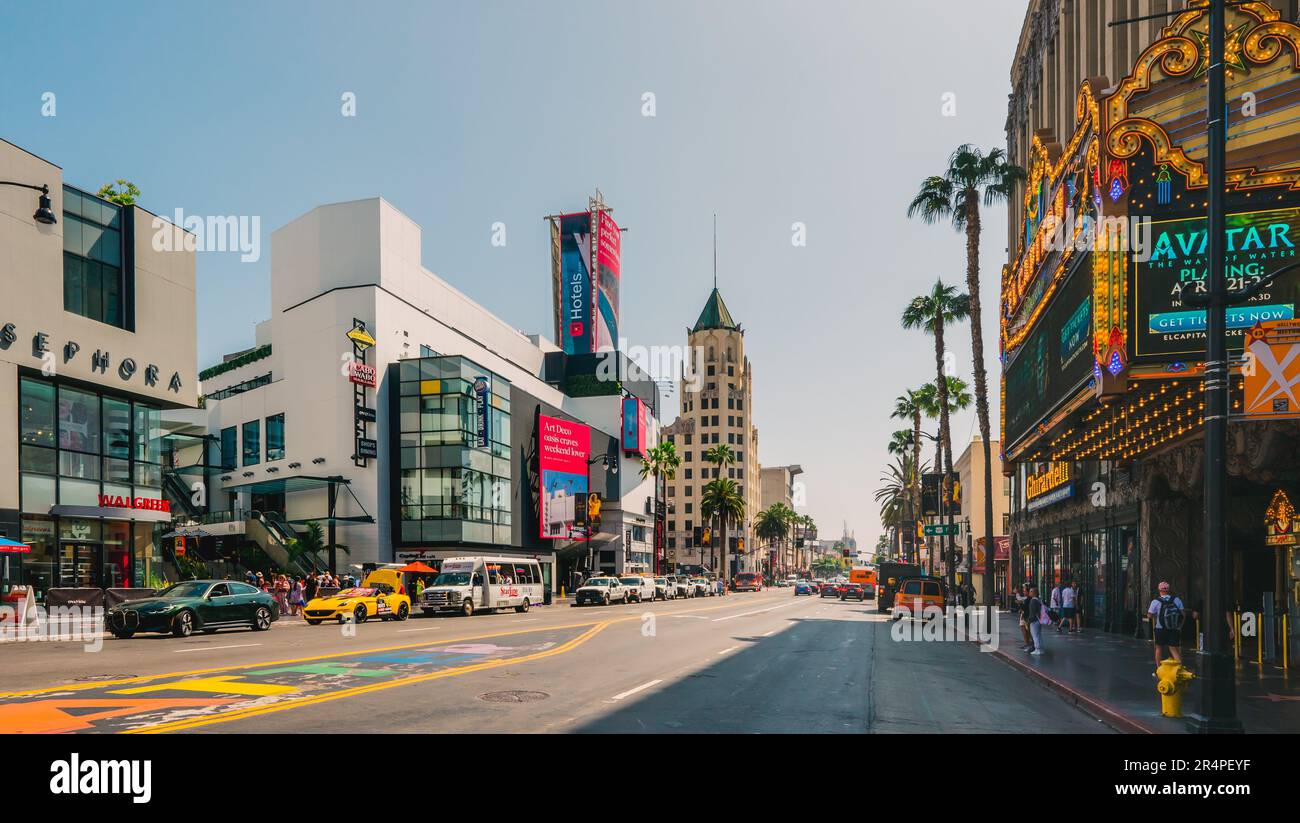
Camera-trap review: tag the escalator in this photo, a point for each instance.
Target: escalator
(274, 535)
(178, 493)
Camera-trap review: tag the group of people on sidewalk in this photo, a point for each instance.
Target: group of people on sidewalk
(1166, 612)
(292, 594)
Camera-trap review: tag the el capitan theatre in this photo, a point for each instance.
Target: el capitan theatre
(1103, 346)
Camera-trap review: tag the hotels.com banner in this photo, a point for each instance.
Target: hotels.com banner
(563, 449)
(590, 271)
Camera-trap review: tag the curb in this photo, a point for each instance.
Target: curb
(1105, 713)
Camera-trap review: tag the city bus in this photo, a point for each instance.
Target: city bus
(483, 583)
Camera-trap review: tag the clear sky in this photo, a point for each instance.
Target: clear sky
(471, 113)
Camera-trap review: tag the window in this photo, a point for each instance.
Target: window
(689, 491)
(688, 474)
(229, 448)
(689, 508)
(688, 440)
(275, 437)
(93, 281)
(715, 420)
(711, 371)
(731, 420)
(252, 437)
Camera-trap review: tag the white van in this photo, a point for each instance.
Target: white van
(481, 583)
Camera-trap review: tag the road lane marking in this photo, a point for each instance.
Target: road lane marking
(240, 714)
(691, 616)
(756, 611)
(631, 692)
(769, 634)
(427, 629)
(214, 648)
(724, 651)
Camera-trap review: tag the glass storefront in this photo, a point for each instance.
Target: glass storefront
(76, 445)
(451, 489)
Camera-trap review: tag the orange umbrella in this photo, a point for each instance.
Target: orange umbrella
(417, 568)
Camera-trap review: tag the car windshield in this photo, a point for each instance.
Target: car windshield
(452, 579)
(597, 581)
(744, 576)
(661, 581)
(190, 589)
(631, 581)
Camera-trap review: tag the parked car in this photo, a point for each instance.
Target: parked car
(665, 589)
(601, 591)
(639, 587)
(804, 587)
(682, 585)
(704, 587)
(747, 582)
(377, 596)
(195, 605)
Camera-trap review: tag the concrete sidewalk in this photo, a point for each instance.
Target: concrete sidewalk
(1109, 676)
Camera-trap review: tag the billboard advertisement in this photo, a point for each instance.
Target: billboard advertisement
(1055, 358)
(577, 331)
(635, 424)
(1166, 326)
(608, 271)
(563, 449)
(586, 251)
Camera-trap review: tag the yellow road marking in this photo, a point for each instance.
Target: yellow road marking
(225, 684)
(239, 714)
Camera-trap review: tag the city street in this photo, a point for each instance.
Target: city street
(764, 662)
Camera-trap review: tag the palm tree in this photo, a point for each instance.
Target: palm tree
(899, 485)
(662, 462)
(907, 407)
(900, 442)
(720, 456)
(931, 313)
(959, 399)
(955, 195)
(770, 526)
(722, 499)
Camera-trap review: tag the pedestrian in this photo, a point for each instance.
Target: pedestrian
(1036, 616)
(311, 588)
(1067, 608)
(1070, 600)
(419, 588)
(1167, 614)
(296, 600)
(1022, 610)
(1054, 605)
(282, 593)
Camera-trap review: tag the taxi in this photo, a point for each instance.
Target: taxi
(917, 596)
(380, 595)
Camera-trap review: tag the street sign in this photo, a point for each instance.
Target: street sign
(367, 447)
(941, 529)
(365, 414)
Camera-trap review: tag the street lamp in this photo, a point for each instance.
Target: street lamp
(44, 213)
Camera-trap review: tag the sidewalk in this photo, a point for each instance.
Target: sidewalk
(1109, 676)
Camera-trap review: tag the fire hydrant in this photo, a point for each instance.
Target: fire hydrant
(1170, 676)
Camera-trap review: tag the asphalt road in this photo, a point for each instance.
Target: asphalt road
(756, 662)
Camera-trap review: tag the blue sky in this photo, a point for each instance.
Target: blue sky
(472, 113)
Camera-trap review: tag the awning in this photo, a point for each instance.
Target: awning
(112, 513)
(358, 518)
(13, 547)
(189, 531)
(285, 485)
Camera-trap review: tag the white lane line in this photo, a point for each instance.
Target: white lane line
(690, 616)
(526, 619)
(214, 648)
(724, 651)
(757, 611)
(631, 692)
(769, 634)
(426, 629)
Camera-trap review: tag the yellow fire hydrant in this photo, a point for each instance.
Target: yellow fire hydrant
(1170, 676)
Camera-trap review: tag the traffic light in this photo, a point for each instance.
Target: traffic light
(699, 536)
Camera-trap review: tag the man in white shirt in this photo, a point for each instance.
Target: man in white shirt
(1167, 615)
(1069, 594)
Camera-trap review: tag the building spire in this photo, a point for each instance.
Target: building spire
(715, 250)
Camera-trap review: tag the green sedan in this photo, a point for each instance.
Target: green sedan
(195, 605)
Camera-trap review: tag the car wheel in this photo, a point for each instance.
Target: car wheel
(605, 600)
(403, 611)
(311, 622)
(183, 624)
(359, 613)
(123, 634)
(522, 607)
(467, 607)
(261, 619)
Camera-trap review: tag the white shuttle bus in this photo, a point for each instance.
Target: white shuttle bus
(482, 583)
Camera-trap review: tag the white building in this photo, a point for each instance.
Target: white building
(291, 418)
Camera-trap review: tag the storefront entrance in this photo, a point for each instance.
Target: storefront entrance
(79, 565)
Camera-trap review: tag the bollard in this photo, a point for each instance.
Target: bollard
(1170, 676)
(1236, 635)
(1286, 643)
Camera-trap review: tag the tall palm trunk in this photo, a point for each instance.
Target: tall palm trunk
(941, 384)
(916, 474)
(981, 387)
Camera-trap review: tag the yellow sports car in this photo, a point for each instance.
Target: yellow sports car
(377, 596)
